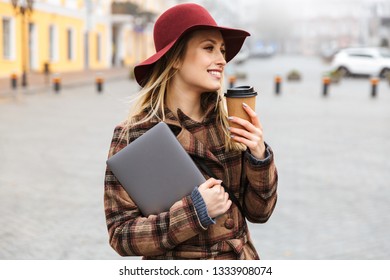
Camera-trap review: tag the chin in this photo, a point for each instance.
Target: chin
(213, 87)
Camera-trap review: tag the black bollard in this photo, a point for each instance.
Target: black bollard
(374, 85)
(232, 81)
(326, 83)
(14, 81)
(278, 84)
(99, 84)
(57, 84)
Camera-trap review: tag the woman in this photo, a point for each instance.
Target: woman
(181, 85)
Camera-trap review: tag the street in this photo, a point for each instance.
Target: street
(331, 152)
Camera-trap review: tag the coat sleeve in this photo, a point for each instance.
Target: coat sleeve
(130, 233)
(260, 181)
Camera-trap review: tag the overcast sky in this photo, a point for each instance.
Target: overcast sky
(273, 17)
(292, 8)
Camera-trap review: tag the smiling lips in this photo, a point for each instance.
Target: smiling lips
(215, 73)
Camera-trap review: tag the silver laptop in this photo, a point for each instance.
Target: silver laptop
(155, 170)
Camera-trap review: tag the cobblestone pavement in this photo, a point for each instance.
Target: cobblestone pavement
(332, 156)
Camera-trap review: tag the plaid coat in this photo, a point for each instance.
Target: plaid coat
(178, 233)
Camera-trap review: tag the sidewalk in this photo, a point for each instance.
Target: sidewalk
(39, 81)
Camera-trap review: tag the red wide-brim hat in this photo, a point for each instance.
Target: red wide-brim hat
(179, 20)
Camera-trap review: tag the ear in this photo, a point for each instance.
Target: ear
(177, 64)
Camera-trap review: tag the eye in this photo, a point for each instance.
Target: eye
(212, 48)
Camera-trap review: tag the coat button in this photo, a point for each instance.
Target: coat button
(229, 223)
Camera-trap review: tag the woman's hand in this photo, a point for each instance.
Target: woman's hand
(216, 199)
(252, 133)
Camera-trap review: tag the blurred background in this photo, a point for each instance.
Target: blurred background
(40, 36)
(322, 72)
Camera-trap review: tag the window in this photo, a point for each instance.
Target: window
(53, 43)
(361, 55)
(7, 39)
(98, 47)
(71, 42)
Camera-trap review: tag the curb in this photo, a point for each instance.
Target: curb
(10, 94)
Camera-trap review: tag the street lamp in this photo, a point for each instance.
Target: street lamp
(25, 8)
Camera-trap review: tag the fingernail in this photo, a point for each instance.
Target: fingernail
(231, 136)
(230, 118)
(229, 128)
(244, 105)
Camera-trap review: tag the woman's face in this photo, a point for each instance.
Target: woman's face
(202, 67)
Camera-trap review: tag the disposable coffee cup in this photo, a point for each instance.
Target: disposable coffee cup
(234, 99)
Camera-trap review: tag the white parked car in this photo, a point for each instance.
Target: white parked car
(363, 61)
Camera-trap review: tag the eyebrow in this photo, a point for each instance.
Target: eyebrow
(212, 41)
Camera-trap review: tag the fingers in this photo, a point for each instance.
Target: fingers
(227, 205)
(249, 138)
(253, 142)
(255, 137)
(252, 114)
(214, 195)
(251, 133)
(224, 205)
(211, 182)
(245, 124)
(250, 143)
(248, 125)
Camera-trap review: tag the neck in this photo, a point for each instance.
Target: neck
(187, 102)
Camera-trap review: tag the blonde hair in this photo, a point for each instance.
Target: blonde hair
(151, 98)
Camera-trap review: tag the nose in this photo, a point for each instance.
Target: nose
(221, 59)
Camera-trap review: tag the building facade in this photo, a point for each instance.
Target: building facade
(132, 29)
(73, 35)
(56, 36)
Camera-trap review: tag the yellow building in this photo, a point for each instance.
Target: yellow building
(72, 35)
(133, 33)
(63, 35)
